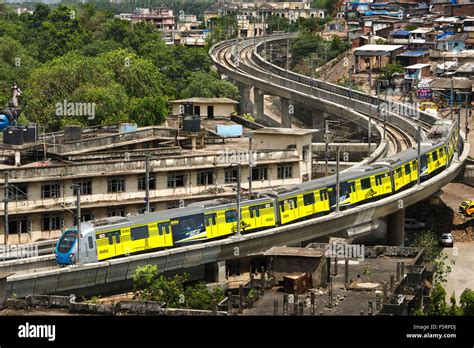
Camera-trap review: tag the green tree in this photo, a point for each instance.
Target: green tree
(386, 73)
(467, 302)
(208, 85)
(199, 297)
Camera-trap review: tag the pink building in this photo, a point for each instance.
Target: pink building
(163, 18)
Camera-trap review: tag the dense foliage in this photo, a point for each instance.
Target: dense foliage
(81, 54)
(172, 291)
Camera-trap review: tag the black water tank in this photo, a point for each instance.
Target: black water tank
(192, 124)
(31, 134)
(13, 136)
(72, 133)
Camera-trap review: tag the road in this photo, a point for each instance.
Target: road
(462, 273)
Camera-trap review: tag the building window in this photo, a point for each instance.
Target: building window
(142, 183)
(51, 222)
(116, 184)
(116, 212)
(50, 190)
(176, 179)
(259, 173)
(205, 177)
(285, 172)
(231, 175)
(86, 186)
(18, 224)
(17, 192)
(142, 210)
(85, 216)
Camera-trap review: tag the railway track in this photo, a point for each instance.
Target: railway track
(398, 139)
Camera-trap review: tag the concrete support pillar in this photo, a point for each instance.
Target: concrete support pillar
(17, 158)
(220, 272)
(258, 104)
(244, 104)
(318, 117)
(285, 113)
(396, 228)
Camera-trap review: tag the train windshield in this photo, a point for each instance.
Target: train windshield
(67, 241)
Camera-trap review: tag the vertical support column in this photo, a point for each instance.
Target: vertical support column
(285, 113)
(244, 104)
(318, 117)
(258, 103)
(220, 272)
(396, 228)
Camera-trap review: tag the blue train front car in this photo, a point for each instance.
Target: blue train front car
(66, 247)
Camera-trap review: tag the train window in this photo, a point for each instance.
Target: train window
(323, 194)
(308, 198)
(117, 237)
(378, 180)
(352, 187)
(91, 245)
(424, 161)
(111, 239)
(365, 183)
(210, 219)
(231, 216)
(399, 172)
(435, 155)
(292, 203)
(254, 212)
(137, 233)
(160, 229)
(407, 169)
(441, 152)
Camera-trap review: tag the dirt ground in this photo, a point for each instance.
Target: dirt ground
(453, 194)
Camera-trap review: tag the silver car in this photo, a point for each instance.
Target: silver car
(446, 240)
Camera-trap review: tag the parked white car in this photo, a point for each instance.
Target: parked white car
(446, 240)
(412, 224)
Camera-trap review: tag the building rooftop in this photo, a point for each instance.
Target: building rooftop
(421, 31)
(446, 84)
(378, 48)
(285, 131)
(417, 66)
(413, 54)
(297, 252)
(205, 101)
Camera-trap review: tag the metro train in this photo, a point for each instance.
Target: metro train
(202, 221)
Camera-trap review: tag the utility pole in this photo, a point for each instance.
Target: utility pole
(418, 180)
(239, 172)
(147, 184)
(369, 135)
(77, 189)
(337, 180)
(287, 53)
(250, 165)
(5, 205)
(451, 99)
(326, 143)
(312, 74)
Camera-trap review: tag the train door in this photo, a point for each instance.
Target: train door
(424, 164)
(323, 195)
(254, 217)
(332, 196)
(211, 225)
(309, 203)
(115, 248)
(288, 208)
(164, 233)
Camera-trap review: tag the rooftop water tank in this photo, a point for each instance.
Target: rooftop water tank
(13, 136)
(72, 133)
(192, 124)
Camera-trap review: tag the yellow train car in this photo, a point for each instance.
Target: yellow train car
(222, 221)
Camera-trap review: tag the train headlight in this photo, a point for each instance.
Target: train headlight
(71, 255)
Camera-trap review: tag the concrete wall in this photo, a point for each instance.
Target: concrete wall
(219, 109)
(283, 265)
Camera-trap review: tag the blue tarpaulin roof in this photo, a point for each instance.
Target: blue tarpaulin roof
(401, 33)
(412, 54)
